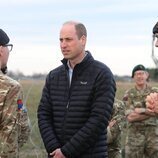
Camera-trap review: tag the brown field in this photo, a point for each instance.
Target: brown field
(34, 148)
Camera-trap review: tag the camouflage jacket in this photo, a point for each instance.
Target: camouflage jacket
(114, 132)
(14, 127)
(134, 98)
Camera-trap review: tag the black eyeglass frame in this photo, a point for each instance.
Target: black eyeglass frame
(156, 35)
(11, 46)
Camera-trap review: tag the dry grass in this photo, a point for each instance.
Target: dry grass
(32, 92)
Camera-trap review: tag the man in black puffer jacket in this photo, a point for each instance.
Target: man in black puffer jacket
(77, 100)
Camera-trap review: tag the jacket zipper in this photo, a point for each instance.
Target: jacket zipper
(67, 107)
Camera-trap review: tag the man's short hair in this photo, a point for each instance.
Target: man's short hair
(80, 28)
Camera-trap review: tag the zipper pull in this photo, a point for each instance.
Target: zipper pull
(67, 106)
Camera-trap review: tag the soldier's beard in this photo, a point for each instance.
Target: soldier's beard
(4, 70)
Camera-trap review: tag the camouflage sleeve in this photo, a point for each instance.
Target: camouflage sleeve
(119, 111)
(14, 126)
(129, 107)
(119, 117)
(112, 133)
(8, 117)
(23, 122)
(154, 89)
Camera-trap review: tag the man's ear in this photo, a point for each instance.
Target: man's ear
(147, 76)
(83, 39)
(1, 50)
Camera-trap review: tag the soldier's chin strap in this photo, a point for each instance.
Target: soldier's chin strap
(153, 55)
(4, 70)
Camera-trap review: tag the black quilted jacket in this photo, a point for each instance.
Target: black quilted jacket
(74, 117)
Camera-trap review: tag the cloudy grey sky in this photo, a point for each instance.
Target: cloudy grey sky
(119, 31)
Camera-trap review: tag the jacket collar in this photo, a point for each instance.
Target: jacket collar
(82, 64)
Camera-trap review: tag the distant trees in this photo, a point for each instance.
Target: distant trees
(153, 74)
(19, 75)
(39, 76)
(16, 75)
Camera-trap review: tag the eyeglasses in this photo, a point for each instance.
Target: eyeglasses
(10, 47)
(140, 73)
(156, 35)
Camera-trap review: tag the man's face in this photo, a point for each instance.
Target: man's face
(140, 77)
(71, 46)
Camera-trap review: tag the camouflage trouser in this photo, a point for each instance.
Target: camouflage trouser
(114, 154)
(142, 142)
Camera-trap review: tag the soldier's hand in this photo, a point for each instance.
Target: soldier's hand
(152, 102)
(111, 123)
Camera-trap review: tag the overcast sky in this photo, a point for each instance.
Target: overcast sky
(119, 32)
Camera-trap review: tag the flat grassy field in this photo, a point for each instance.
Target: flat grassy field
(34, 148)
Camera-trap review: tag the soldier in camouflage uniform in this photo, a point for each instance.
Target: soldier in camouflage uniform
(114, 130)
(14, 127)
(142, 128)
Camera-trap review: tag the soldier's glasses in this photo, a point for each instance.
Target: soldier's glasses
(10, 47)
(140, 73)
(156, 35)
